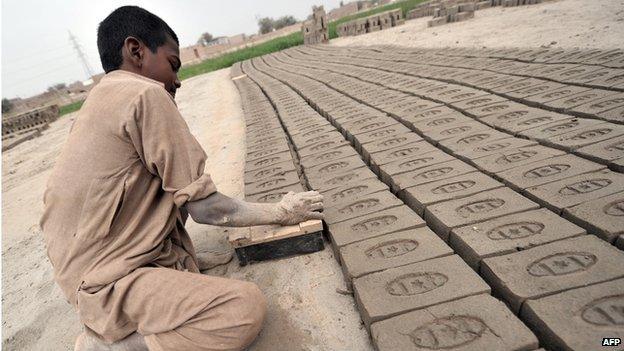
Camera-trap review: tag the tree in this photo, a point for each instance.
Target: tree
(204, 39)
(284, 21)
(6, 105)
(266, 25)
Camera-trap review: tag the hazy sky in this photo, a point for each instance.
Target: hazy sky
(37, 53)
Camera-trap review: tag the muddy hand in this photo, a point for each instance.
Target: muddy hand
(299, 207)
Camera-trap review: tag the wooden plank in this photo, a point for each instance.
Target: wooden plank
(239, 77)
(267, 233)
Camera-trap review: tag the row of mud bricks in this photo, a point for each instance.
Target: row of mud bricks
(474, 203)
(370, 24)
(447, 11)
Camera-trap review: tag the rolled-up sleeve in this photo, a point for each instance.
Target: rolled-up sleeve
(167, 147)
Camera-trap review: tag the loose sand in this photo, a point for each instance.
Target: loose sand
(305, 311)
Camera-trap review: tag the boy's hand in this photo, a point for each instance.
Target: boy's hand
(295, 208)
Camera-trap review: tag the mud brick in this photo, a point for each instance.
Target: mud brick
(614, 78)
(544, 98)
(338, 180)
(391, 142)
(454, 130)
(429, 174)
(432, 112)
(597, 107)
(547, 171)
(373, 225)
(493, 147)
(540, 88)
(443, 217)
(552, 268)
(604, 151)
(586, 136)
(312, 125)
(603, 217)
(329, 169)
(462, 16)
(272, 183)
(422, 196)
(390, 251)
(415, 286)
(510, 234)
(361, 206)
(321, 147)
(261, 126)
(479, 101)
(252, 165)
(464, 95)
(260, 153)
(304, 139)
(436, 22)
(578, 319)
(513, 158)
(271, 138)
(497, 108)
(569, 102)
(576, 190)
(473, 323)
(378, 134)
(327, 156)
(535, 119)
(428, 123)
(390, 170)
(471, 140)
(549, 130)
(402, 152)
(354, 129)
(281, 144)
(352, 191)
(508, 84)
(274, 195)
(270, 171)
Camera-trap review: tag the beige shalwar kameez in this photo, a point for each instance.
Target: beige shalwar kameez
(115, 231)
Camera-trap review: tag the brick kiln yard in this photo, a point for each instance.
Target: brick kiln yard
(450, 176)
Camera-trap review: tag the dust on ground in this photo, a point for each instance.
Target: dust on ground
(305, 311)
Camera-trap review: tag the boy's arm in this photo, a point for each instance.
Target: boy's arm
(218, 209)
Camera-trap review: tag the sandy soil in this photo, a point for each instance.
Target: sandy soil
(306, 312)
(560, 23)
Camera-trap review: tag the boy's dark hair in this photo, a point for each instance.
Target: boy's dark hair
(130, 21)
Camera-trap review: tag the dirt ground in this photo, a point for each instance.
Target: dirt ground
(305, 310)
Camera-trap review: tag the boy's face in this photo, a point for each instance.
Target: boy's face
(163, 65)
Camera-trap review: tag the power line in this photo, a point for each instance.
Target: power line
(81, 55)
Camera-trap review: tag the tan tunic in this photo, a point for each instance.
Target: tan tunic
(112, 201)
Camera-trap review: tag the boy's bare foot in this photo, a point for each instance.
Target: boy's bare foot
(211, 259)
(87, 341)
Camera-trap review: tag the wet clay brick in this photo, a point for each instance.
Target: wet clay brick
(603, 217)
(545, 97)
(327, 156)
(578, 319)
(516, 122)
(443, 217)
(270, 171)
(430, 174)
(391, 250)
(604, 151)
(425, 124)
(274, 195)
(549, 130)
(298, 139)
(576, 190)
(586, 136)
(373, 225)
(392, 169)
(391, 142)
(542, 87)
(272, 183)
(497, 108)
(432, 112)
(329, 169)
(316, 139)
(598, 107)
(569, 102)
(252, 165)
(509, 159)
(509, 234)
(352, 191)
(422, 196)
(492, 147)
(382, 133)
(455, 130)
(419, 285)
(548, 170)
(471, 140)
(321, 147)
(401, 152)
(338, 180)
(474, 323)
(361, 206)
(263, 152)
(552, 268)
(478, 101)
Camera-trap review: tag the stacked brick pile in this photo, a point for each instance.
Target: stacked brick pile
(19, 128)
(316, 30)
(441, 8)
(372, 23)
(447, 14)
(450, 174)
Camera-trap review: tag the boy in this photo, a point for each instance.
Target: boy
(120, 193)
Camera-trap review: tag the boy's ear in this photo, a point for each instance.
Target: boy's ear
(134, 50)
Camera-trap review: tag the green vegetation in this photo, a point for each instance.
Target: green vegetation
(405, 6)
(73, 107)
(274, 45)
